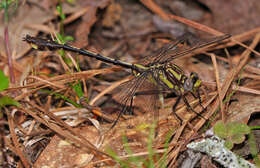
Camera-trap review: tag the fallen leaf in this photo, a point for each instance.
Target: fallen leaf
(233, 16)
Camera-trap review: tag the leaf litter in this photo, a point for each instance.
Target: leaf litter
(77, 137)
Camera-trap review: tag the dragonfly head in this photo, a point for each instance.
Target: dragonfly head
(192, 83)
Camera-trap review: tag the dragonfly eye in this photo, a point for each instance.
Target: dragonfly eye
(195, 80)
(194, 77)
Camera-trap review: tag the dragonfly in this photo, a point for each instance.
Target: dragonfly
(157, 73)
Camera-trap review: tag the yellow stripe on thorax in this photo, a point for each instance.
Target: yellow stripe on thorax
(166, 81)
(175, 74)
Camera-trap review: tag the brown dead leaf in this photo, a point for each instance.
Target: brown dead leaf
(242, 109)
(83, 29)
(88, 20)
(233, 16)
(24, 14)
(112, 15)
(47, 4)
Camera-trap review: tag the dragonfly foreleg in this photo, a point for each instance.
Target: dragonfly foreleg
(200, 101)
(190, 108)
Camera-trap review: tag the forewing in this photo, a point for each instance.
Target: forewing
(161, 52)
(193, 44)
(175, 49)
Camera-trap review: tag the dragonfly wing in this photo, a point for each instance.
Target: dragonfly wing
(147, 98)
(138, 92)
(125, 93)
(175, 49)
(193, 44)
(161, 52)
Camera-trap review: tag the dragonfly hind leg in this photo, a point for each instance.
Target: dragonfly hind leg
(191, 109)
(174, 109)
(129, 110)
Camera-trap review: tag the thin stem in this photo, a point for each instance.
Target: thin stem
(9, 55)
(61, 19)
(5, 4)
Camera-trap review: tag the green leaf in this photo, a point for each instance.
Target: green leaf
(59, 10)
(64, 39)
(243, 128)
(238, 138)
(220, 130)
(62, 53)
(254, 127)
(4, 81)
(78, 89)
(62, 97)
(3, 5)
(71, 1)
(229, 144)
(61, 39)
(68, 38)
(252, 144)
(253, 148)
(237, 128)
(5, 100)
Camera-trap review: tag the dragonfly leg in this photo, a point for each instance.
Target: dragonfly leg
(200, 101)
(131, 108)
(191, 109)
(174, 109)
(125, 107)
(119, 115)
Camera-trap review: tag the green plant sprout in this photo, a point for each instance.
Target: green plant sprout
(4, 81)
(139, 161)
(7, 5)
(253, 146)
(62, 97)
(232, 132)
(61, 38)
(5, 100)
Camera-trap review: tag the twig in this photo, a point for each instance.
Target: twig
(15, 140)
(214, 61)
